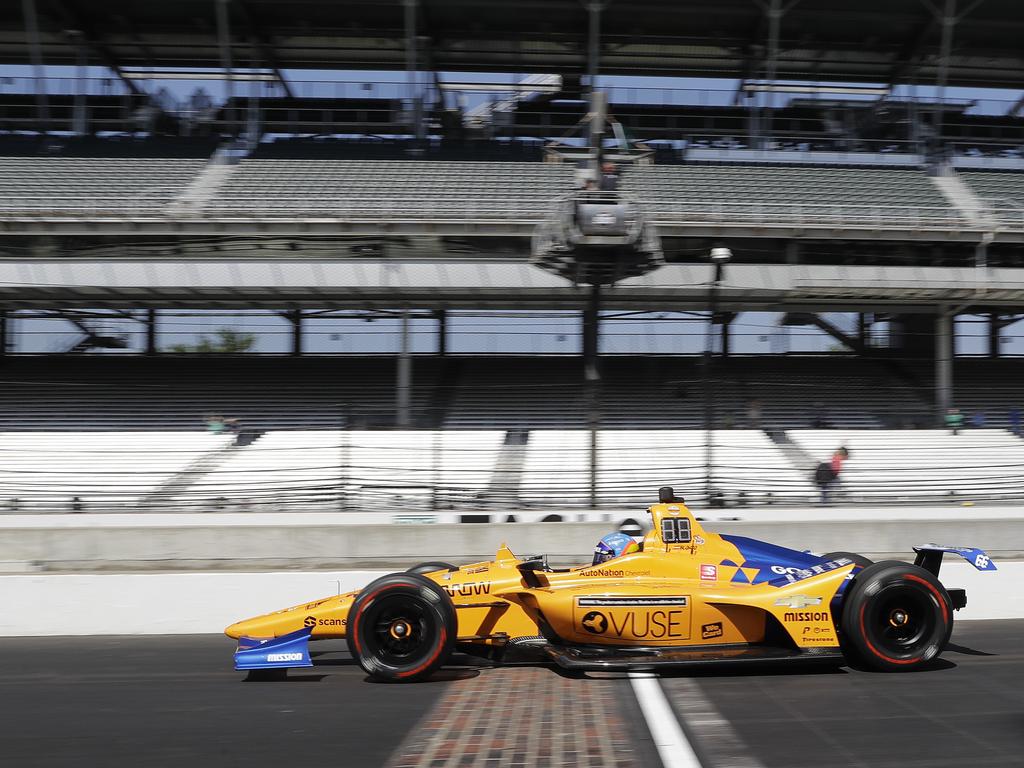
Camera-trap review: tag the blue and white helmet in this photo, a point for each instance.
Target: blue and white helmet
(614, 545)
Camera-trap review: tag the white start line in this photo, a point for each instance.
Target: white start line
(674, 748)
(719, 743)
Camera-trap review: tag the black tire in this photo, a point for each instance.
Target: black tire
(860, 560)
(432, 566)
(401, 627)
(896, 617)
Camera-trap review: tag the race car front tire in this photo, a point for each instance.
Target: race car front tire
(401, 627)
(897, 617)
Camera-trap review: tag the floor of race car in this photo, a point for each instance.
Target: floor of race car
(175, 701)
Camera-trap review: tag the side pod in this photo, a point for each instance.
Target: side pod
(291, 650)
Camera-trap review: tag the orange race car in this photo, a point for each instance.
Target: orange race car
(680, 596)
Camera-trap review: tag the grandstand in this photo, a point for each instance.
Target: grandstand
(455, 474)
(843, 176)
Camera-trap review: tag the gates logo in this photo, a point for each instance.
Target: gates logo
(709, 573)
(709, 631)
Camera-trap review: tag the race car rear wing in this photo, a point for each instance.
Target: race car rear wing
(929, 557)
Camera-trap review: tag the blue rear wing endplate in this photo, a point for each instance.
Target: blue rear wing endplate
(929, 557)
(291, 650)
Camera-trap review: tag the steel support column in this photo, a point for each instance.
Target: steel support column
(593, 44)
(994, 326)
(252, 118)
(151, 332)
(592, 380)
(792, 251)
(78, 120)
(295, 316)
(707, 372)
(404, 383)
(224, 42)
(35, 52)
(943, 363)
(442, 332)
(775, 13)
(948, 21)
(416, 126)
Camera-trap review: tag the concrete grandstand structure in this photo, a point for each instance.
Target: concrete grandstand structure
(836, 191)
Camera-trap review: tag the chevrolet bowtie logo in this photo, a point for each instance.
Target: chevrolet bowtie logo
(798, 601)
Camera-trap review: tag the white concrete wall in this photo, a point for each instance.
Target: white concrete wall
(196, 603)
(283, 542)
(156, 603)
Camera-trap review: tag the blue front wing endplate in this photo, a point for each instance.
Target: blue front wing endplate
(291, 650)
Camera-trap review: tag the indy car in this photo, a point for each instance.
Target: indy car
(684, 596)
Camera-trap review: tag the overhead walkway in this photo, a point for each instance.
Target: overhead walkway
(319, 283)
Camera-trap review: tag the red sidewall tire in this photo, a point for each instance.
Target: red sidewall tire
(880, 599)
(401, 627)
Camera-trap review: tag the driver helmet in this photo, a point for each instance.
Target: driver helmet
(614, 545)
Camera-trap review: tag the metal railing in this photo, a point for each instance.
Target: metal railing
(344, 476)
(386, 210)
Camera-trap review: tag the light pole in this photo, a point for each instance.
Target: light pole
(719, 258)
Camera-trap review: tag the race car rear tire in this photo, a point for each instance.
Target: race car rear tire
(401, 627)
(860, 560)
(897, 617)
(432, 566)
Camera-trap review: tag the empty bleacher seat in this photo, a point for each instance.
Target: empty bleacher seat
(83, 186)
(751, 191)
(392, 189)
(917, 464)
(107, 471)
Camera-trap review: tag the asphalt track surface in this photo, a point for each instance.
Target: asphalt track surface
(176, 701)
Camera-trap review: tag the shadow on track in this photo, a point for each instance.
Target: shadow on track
(445, 675)
(967, 651)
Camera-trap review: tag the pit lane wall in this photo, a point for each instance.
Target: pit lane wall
(74, 575)
(254, 542)
(196, 603)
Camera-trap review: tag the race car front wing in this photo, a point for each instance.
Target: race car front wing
(287, 651)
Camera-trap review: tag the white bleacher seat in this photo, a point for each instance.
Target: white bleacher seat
(555, 468)
(334, 469)
(389, 189)
(284, 466)
(108, 471)
(916, 464)
(68, 185)
(742, 189)
(634, 463)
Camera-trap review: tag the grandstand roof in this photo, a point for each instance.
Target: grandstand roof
(870, 40)
(321, 284)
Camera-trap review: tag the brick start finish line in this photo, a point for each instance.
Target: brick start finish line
(522, 717)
